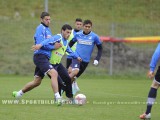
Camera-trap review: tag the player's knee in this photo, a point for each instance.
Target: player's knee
(53, 73)
(37, 81)
(155, 85)
(69, 70)
(75, 71)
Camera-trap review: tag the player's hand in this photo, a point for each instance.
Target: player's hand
(79, 59)
(36, 47)
(95, 62)
(57, 45)
(150, 75)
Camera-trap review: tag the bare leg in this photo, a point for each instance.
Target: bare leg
(73, 74)
(29, 86)
(54, 82)
(69, 70)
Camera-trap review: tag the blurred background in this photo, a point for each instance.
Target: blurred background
(113, 18)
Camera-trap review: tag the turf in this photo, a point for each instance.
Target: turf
(109, 98)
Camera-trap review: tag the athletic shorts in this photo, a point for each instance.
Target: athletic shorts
(157, 76)
(68, 62)
(75, 64)
(81, 65)
(42, 65)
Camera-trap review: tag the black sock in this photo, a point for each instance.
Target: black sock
(151, 98)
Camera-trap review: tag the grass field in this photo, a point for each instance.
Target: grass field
(108, 98)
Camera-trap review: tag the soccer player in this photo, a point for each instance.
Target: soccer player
(155, 84)
(78, 27)
(86, 40)
(41, 60)
(57, 55)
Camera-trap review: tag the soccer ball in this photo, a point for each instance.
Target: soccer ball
(80, 99)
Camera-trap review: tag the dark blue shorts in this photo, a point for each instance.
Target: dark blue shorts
(75, 64)
(42, 65)
(68, 62)
(80, 65)
(157, 76)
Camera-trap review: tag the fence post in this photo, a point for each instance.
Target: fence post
(46, 5)
(111, 50)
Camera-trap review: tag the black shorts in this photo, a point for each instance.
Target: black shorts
(42, 65)
(81, 65)
(157, 76)
(68, 62)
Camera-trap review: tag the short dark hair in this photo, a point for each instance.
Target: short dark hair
(43, 14)
(66, 26)
(87, 22)
(78, 20)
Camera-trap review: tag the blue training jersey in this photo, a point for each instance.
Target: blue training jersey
(49, 44)
(73, 32)
(155, 58)
(42, 33)
(85, 44)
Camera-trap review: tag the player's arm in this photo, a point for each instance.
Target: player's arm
(52, 46)
(154, 60)
(48, 44)
(99, 52)
(45, 44)
(72, 54)
(53, 43)
(41, 39)
(73, 41)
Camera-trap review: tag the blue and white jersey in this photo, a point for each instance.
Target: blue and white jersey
(74, 46)
(42, 33)
(74, 32)
(155, 58)
(49, 44)
(85, 44)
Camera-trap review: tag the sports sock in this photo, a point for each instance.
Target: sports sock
(151, 99)
(57, 95)
(20, 93)
(76, 85)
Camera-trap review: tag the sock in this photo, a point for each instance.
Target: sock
(75, 78)
(151, 98)
(57, 95)
(75, 83)
(20, 93)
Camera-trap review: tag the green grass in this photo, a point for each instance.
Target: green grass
(102, 11)
(110, 98)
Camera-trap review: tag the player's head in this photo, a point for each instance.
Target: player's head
(87, 26)
(45, 18)
(66, 31)
(78, 24)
